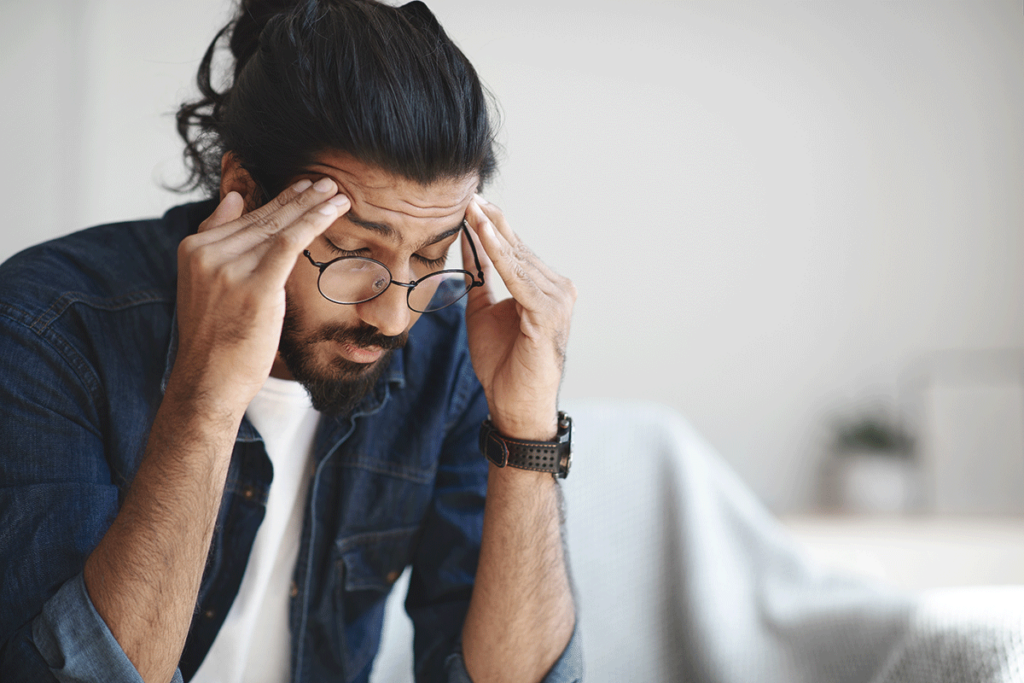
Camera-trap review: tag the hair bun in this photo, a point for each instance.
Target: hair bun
(420, 11)
(252, 17)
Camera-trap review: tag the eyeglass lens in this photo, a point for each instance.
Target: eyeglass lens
(355, 280)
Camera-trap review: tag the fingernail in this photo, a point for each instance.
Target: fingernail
(328, 209)
(302, 185)
(338, 200)
(323, 185)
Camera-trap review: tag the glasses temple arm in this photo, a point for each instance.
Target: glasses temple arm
(476, 259)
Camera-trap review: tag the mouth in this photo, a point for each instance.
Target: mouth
(361, 354)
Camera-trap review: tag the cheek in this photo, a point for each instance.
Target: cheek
(303, 294)
(301, 283)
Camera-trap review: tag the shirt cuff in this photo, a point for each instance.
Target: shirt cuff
(76, 643)
(567, 669)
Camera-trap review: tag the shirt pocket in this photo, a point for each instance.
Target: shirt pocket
(367, 566)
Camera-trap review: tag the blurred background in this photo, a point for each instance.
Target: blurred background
(799, 224)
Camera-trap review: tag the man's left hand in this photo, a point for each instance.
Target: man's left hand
(517, 345)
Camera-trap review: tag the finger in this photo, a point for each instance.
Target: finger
(262, 226)
(522, 250)
(539, 273)
(513, 272)
(211, 231)
(279, 252)
(252, 228)
(229, 209)
(498, 220)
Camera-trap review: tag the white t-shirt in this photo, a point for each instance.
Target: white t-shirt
(254, 644)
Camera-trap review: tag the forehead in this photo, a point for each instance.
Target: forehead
(395, 201)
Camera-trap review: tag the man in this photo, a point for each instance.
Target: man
(227, 431)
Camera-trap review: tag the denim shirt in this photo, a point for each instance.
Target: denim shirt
(87, 340)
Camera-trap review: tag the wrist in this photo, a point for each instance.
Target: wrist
(203, 408)
(538, 426)
(552, 455)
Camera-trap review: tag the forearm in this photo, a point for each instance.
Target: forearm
(521, 615)
(143, 577)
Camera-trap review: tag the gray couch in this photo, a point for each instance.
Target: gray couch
(682, 575)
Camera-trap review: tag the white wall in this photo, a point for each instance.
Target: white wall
(771, 209)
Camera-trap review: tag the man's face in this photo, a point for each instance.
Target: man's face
(339, 351)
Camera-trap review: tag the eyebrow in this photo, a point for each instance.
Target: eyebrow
(390, 233)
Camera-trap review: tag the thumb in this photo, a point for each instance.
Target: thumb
(229, 209)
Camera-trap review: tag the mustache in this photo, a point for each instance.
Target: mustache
(364, 335)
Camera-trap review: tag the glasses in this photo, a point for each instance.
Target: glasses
(356, 279)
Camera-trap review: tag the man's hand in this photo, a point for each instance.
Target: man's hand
(521, 615)
(231, 299)
(517, 345)
(144, 575)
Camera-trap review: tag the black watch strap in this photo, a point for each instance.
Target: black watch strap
(539, 456)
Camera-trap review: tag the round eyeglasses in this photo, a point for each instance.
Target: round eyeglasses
(356, 279)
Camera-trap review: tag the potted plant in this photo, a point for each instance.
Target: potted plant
(872, 464)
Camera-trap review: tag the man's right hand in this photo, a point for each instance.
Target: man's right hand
(144, 575)
(231, 297)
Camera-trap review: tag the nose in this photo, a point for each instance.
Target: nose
(389, 312)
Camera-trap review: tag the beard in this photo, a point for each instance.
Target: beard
(336, 386)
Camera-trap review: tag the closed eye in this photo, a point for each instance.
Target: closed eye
(345, 252)
(432, 264)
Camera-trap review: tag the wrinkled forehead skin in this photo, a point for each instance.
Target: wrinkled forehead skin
(412, 209)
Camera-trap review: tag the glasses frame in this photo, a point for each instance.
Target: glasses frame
(477, 281)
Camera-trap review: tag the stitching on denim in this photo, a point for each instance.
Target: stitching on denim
(464, 388)
(356, 580)
(343, 545)
(66, 353)
(305, 547)
(65, 301)
(417, 476)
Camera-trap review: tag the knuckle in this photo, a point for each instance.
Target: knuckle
(204, 259)
(227, 274)
(281, 199)
(508, 251)
(570, 289)
(519, 272)
(287, 196)
(186, 247)
(219, 272)
(265, 222)
(288, 239)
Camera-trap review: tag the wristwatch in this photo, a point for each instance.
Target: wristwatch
(540, 456)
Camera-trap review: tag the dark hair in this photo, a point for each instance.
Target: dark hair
(383, 84)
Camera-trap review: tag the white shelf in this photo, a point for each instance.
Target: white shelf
(917, 552)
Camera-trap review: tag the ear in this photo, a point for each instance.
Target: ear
(234, 177)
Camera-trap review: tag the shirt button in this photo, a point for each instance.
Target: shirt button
(294, 592)
(393, 576)
(248, 493)
(209, 614)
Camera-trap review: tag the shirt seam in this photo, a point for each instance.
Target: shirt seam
(45, 332)
(416, 476)
(68, 299)
(69, 356)
(463, 391)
